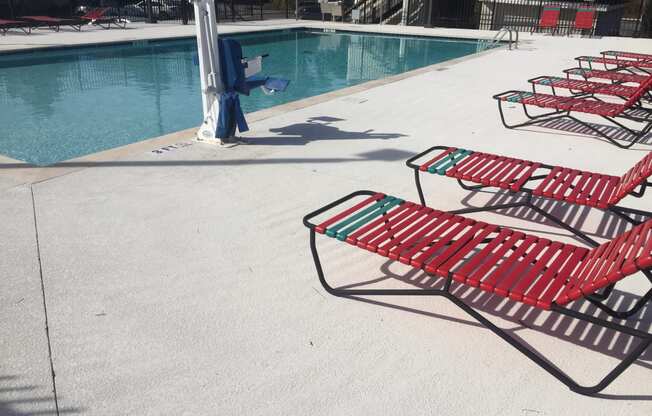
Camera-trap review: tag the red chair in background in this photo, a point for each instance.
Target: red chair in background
(549, 18)
(584, 20)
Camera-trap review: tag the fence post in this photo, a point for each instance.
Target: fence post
(429, 14)
(150, 12)
(638, 21)
(493, 15)
(184, 12)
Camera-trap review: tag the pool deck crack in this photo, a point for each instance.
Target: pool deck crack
(45, 307)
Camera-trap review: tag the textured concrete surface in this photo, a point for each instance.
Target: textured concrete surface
(25, 376)
(181, 282)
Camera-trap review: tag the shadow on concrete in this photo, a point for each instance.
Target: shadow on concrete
(317, 128)
(576, 216)
(388, 155)
(13, 395)
(573, 128)
(524, 317)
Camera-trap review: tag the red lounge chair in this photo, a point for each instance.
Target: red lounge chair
(617, 64)
(536, 179)
(549, 18)
(564, 106)
(584, 19)
(585, 88)
(6, 25)
(620, 77)
(528, 269)
(627, 55)
(55, 23)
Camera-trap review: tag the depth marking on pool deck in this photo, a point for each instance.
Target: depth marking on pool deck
(171, 147)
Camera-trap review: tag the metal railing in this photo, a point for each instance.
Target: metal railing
(152, 11)
(502, 33)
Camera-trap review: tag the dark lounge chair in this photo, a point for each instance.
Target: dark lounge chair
(6, 25)
(55, 23)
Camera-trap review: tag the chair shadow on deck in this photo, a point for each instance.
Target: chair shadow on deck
(14, 395)
(317, 128)
(584, 334)
(573, 128)
(610, 225)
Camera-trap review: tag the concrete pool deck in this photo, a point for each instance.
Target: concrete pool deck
(180, 281)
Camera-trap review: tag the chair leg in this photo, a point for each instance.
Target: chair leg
(417, 182)
(563, 225)
(525, 203)
(626, 313)
(646, 338)
(554, 115)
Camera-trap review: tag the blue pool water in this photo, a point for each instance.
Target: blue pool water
(60, 104)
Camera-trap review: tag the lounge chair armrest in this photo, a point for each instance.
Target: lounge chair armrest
(538, 79)
(307, 218)
(500, 96)
(410, 162)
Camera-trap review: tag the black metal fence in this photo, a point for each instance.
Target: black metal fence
(612, 17)
(152, 11)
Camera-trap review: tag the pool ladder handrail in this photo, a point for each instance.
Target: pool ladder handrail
(504, 31)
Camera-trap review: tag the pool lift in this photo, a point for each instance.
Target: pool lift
(225, 74)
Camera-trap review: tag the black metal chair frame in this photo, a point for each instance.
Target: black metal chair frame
(76, 24)
(560, 114)
(645, 337)
(24, 26)
(106, 22)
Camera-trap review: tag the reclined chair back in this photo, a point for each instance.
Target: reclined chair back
(643, 88)
(550, 16)
(632, 178)
(624, 255)
(95, 14)
(584, 18)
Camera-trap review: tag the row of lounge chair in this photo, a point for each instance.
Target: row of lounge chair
(93, 17)
(625, 99)
(534, 271)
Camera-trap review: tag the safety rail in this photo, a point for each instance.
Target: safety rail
(504, 31)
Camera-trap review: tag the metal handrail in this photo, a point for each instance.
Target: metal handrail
(504, 31)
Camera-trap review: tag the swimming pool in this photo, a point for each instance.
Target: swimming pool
(64, 103)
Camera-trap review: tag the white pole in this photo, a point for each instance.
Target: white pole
(404, 12)
(209, 66)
